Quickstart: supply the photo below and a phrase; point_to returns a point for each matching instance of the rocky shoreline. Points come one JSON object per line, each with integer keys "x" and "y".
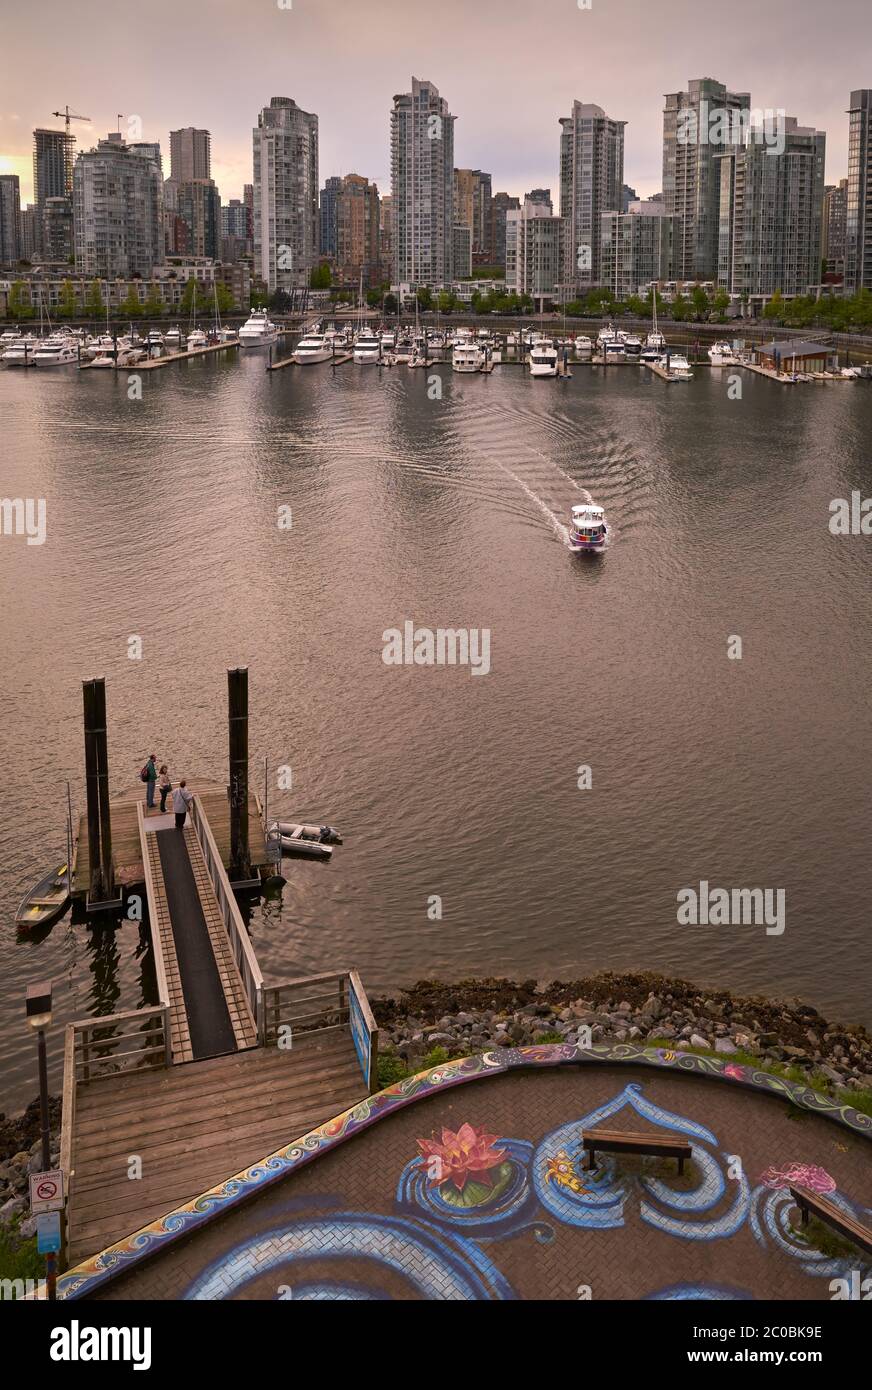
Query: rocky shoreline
{"x": 473, "y": 1015}
{"x": 21, "y": 1155}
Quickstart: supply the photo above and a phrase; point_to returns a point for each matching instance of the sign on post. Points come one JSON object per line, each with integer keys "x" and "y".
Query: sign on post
{"x": 48, "y": 1233}
{"x": 46, "y": 1192}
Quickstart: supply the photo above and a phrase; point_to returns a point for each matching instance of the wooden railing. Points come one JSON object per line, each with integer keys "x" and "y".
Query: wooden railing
{"x": 315, "y": 1003}
{"x": 243, "y": 951}
{"x": 98, "y": 1048}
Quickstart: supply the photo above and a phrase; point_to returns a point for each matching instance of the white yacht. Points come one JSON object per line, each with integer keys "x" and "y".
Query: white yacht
{"x": 173, "y": 338}
{"x": 388, "y": 339}
{"x": 313, "y": 347}
{"x": 543, "y": 359}
{"x": 632, "y": 345}
{"x": 466, "y": 357}
{"x": 587, "y": 528}
{"x": 367, "y": 347}
{"x": 257, "y": 330}
{"x": 677, "y": 365}
{"x": 583, "y": 346}
{"x": 155, "y": 338}
{"x": 8, "y": 337}
{"x": 195, "y": 339}
{"x": 57, "y": 350}
{"x": 20, "y": 352}
{"x": 721, "y": 355}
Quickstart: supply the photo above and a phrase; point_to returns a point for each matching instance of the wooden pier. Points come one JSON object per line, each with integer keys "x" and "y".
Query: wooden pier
{"x": 149, "y": 364}
{"x": 223, "y": 1068}
{"x": 127, "y": 858}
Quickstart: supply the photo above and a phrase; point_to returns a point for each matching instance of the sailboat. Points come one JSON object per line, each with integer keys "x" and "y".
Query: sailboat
{"x": 655, "y": 343}
{"x": 195, "y": 338}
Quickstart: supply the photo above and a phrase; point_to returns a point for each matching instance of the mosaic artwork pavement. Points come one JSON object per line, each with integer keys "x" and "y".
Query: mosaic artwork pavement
{"x": 481, "y": 1194}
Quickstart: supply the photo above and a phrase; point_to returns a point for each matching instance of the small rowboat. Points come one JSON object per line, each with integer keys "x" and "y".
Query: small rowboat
{"x": 316, "y": 841}
{"x": 46, "y": 901}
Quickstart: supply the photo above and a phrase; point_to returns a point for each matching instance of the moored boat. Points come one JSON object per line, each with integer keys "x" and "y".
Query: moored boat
{"x": 314, "y": 841}
{"x": 313, "y": 347}
{"x": 258, "y": 330}
{"x": 46, "y": 900}
{"x": 543, "y": 359}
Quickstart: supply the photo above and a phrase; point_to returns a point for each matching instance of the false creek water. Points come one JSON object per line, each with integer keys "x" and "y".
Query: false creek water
{"x": 161, "y": 523}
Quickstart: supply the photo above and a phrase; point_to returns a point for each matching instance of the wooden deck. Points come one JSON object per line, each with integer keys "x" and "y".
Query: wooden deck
{"x": 194, "y": 1126}
{"x": 126, "y": 848}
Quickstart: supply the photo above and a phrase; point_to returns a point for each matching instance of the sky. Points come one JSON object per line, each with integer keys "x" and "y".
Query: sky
{"x": 509, "y": 70}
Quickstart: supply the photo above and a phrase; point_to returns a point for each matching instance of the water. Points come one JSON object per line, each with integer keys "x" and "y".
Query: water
{"x": 162, "y": 524}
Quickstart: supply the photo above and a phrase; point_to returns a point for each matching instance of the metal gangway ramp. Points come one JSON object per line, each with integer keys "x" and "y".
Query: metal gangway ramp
{"x": 207, "y": 974}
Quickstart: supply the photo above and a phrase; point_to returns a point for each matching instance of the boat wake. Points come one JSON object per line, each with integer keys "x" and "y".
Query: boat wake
{"x": 556, "y": 524}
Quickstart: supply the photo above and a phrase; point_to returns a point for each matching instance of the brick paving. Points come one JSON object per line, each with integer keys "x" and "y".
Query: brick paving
{"x": 336, "y": 1228}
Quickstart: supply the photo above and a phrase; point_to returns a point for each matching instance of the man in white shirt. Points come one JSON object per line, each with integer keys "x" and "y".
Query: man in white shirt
{"x": 182, "y": 799}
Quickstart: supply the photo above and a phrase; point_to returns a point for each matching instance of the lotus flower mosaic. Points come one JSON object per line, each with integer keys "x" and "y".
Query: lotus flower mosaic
{"x": 466, "y": 1166}
{"x": 799, "y": 1175}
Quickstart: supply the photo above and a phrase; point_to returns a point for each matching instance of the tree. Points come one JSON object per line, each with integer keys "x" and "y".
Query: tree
{"x": 425, "y": 298}
{"x": 373, "y": 298}
{"x": 680, "y": 307}
{"x": 720, "y": 305}
{"x": 390, "y": 304}
{"x": 189, "y": 295}
{"x": 19, "y": 307}
{"x": 226, "y": 302}
{"x": 775, "y": 308}
{"x": 94, "y": 305}
{"x": 131, "y": 307}
{"x": 634, "y": 305}
{"x": 700, "y": 301}
{"x": 154, "y": 305}
{"x": 67, "y": 305}
{"x": 280, "y": 302}
{"x": 445, "y": 302}
{"x": 320, "y": 278}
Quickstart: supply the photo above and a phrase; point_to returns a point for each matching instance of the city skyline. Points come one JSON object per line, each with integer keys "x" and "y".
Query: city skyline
{"x": 507, "y": 111}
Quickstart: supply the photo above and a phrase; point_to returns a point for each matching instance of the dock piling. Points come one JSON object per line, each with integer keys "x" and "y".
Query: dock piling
{"x": 237, "y": 715}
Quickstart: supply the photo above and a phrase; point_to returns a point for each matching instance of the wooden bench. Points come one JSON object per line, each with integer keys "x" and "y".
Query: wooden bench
{"x": 831, "y": 1215}
{"x": 618, "y": 1141}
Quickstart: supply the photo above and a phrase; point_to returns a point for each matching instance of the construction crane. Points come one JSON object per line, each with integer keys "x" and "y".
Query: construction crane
{"x": 68, "y": 116}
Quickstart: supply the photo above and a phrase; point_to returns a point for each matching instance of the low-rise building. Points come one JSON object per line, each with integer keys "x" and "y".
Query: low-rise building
{"x": 534, "y": 243}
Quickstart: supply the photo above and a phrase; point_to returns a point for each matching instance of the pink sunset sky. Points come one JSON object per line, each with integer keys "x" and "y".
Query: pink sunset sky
{"x": 508, "y": 68}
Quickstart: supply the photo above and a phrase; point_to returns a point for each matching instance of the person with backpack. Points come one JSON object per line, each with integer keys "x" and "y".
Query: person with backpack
{"x": 149, "y": 776}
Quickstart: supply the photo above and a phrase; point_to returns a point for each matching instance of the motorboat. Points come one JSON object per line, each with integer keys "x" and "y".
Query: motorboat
{"x": 20, "y": 352}
{"x": 258, "y": 330}
{"x": 173, "y": 338}
{"x": 315, "y": 841}
{"x": 367, "y": 347}
{"x": 721, "y": 355}
{"x": 404, "y": 349}
{"x": 105, "y": 343}
{"x": 543, "y": 359}
{"x": 587, "y": 528}
{"x": 583, "y": 346}
{"x": 388, "y": 339}
{"x": 57, "y": 350}
{"x": 46, "y": 900}
{"x": 313, "y": 347}
{"x": 8, "y": 337}
{"x": 155, "y": 338}
{"x": 195, "y": 339}
{"x": 632, "y": 345}
{"x": 677, "y": 366}
{"x": 466, "y": 357}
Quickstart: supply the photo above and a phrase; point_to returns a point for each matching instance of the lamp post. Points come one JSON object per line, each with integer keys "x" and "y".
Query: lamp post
{"x": 38, "y": 1010}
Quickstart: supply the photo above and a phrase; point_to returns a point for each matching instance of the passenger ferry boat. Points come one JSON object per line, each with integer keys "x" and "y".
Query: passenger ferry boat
{"x": 587, "y": 529}
{"x": 313, "y": 347}
{"x": 257, "y": 330}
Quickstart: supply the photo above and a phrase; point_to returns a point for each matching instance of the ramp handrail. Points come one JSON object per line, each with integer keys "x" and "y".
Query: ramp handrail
{"x": 243, "y": 951}
{"x": 160, "y": 970}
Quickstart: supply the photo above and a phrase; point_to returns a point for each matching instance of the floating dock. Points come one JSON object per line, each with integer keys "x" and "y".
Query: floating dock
{"x": 223, "y": 1067}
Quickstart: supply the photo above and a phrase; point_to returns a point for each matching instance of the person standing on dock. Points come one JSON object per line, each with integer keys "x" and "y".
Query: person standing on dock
{"x": 149, "y": 776}
{"x": 165, "y": 785}
{"x": 182, "y": 799}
